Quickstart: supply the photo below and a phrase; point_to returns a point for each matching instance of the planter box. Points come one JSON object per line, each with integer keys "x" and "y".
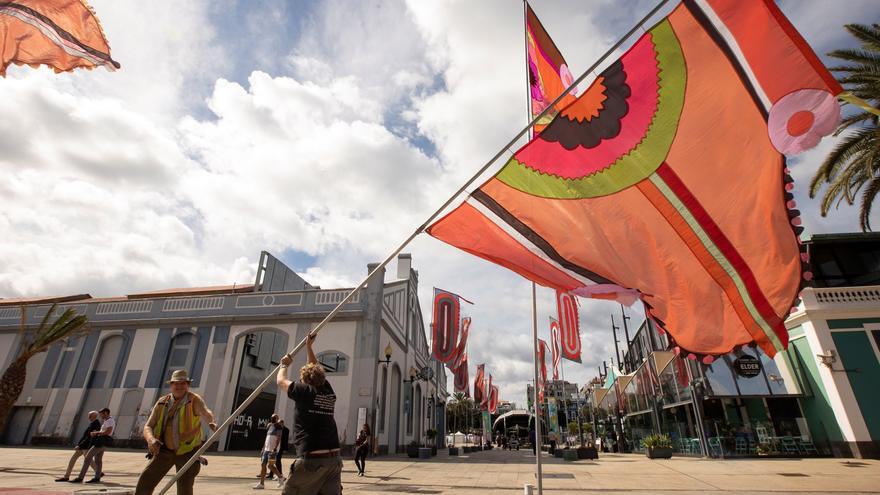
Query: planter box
{"x": 557, "y": 453}
{"x": 453, "y": 450}
{"x": 412, "y": 452}
{"x": 434, "y": 450}
{"x": 587, "y": 453}
{"x": 658, "y": 452}
{"x": 424, "y": 452}
{"x": 569, "y": 455}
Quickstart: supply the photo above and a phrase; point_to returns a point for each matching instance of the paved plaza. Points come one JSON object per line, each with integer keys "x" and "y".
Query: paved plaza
{"x": 31, "y": 471}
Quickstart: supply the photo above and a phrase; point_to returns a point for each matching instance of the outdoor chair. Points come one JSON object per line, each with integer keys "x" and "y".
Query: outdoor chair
{"x": 789, "y": 446}
{"x": 683, "y": 446}
{"x": 742, "y": 446}
{"x": 807, "y": 446}
{"x": 695, "y": 446}
{"x": 753, "y": 447}
{"x": 715, "y": 448}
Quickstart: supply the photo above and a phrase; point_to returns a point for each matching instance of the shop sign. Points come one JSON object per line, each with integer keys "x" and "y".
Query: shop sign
{"x": 747, "y": 366}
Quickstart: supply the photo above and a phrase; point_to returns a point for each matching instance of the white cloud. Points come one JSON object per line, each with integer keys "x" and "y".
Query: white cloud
{"x": 173, "y": 172}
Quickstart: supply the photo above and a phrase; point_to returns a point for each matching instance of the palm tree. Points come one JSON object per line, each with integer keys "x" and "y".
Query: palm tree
{"x": 855, "y": 162}
{"x": 34, "y": 342}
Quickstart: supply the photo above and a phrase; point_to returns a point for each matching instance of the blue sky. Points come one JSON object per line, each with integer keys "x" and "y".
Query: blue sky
{"x": 323, "y": 132}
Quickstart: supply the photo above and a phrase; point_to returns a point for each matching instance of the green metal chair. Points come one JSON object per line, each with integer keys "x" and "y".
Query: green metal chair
{"x": 789, "y": 446}
{"x": 742, "y": 446}
{"x": 715, "y": 448}
{"x": 807, "y": 446}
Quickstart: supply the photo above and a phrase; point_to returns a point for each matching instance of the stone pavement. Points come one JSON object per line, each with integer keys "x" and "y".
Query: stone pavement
{"x": 31, "y": 471}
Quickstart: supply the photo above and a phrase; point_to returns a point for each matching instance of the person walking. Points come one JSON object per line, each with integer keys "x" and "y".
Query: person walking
{"x": 269, "y": 455}
{"x": 173, "y": 433}
{"x": 83, "y": 446}
{"x": 101, "y": 439}
{"x": 282, "y": 448}
{"x": 362, "y": 448}
{"x": 317, "y": 468}
{"x": 532, "y": 439}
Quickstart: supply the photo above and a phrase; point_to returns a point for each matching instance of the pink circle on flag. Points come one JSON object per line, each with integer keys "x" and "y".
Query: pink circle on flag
{"x": 801, "y": 118}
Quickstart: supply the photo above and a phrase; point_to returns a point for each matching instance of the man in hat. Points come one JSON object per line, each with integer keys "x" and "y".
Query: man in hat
{"x": 317, "y": 467}
{"x": 173, "y": 434}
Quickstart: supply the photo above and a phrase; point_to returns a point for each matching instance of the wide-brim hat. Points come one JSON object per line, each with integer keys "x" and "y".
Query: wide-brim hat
{"x": 179, "y": 376}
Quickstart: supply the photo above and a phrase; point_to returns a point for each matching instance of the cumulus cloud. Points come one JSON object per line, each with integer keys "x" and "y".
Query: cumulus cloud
{"x": 332, "y": 131}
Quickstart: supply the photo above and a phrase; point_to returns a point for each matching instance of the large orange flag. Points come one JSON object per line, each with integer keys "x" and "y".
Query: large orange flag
{"x": 62, "y": 34}
{"x": 666, "y": 178}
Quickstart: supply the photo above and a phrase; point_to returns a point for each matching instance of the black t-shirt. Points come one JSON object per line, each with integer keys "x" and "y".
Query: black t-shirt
{"x": 314, "y": 427}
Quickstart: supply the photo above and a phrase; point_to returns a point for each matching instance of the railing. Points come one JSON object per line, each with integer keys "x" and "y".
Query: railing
{"x": 10, "y": 313}
{"x": 193, "y": 304}
{"x": 115, "y": 308}
{"x": 850, "y": 297}
{"x": 335, "y": 296}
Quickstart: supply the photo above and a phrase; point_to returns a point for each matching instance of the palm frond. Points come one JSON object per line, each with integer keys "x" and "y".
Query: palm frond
{"x": 856, "y": 55}
{"x": 868, "y": 35}
{"x": 868, "y": 196}
{"x": 68, "y": 323}
{"x": 839, "y": 157}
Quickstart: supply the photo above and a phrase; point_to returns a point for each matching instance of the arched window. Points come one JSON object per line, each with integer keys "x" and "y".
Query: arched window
{"x": 334, "y": 362}
{"x": 181, "y": 355}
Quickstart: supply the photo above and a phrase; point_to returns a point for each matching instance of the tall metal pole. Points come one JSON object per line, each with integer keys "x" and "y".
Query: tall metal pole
{"x": 614, "y": 329}
{"x": 626, "y": 333}
{"x": 538, "y": 405}
{"x": 293, "y": 352}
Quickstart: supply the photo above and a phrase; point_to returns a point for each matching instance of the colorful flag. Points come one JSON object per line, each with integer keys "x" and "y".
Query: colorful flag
{"x": 62, "y": 34}
{"x": 480, "y": 387}
{"x": 493, "y": 397}
{"x": 569, "y": 324}
{"x": 461, "y": 349}
{"x": 445, "y": 328}
{"x": 548, "y": 72}
{"x": 554, "y": 347}
{"x": 667, "y": 176}
{"x": 461, "y": 377}
{"x": 542, "y": 362}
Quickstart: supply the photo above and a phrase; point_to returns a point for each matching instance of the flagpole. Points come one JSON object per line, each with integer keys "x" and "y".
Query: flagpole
{"x": 381, "y": 266}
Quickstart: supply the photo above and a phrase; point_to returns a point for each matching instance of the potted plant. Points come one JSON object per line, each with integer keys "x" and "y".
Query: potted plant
{"x": 412, "y": 450}
{"x": 762, "y": 449}
{"x": 658, "y": 447}
{"x": 431, "y": 433}
{"x": 453, "y": 450}
{"x": 585, "y": 451}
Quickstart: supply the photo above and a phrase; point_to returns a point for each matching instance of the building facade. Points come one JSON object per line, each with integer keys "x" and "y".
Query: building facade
{"x": 375, "y": 352}
{"x": 816, "y": 398}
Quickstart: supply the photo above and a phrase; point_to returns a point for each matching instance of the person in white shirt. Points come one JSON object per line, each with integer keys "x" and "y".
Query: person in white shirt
{"x": 270, "y": 453}
{"x": 100, "y": 441}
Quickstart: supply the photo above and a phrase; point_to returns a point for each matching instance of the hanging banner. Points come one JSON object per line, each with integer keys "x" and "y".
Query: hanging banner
{"x": 569, "y": 326}
{"x": 493, "y": 397}
{"x": 480, "y": 398}
{"x": 553, "y": 415}
{"x": 487, "y": 427}
{"x": 445, "y": 327}
{"x": 554, "y": 347}
{"x": 461, "y": 349}
{"x": 542, "y": 380}
{"x": 461, "y": 378}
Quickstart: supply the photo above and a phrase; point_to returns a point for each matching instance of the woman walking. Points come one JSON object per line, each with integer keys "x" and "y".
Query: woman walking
{"x": 362, "y": 448}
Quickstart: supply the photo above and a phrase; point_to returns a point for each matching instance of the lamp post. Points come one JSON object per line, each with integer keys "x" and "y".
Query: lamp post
{"x": 387, "y": 359}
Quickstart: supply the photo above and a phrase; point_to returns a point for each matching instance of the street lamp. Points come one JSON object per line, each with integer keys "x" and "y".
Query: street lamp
{"x": 387, "y": 359}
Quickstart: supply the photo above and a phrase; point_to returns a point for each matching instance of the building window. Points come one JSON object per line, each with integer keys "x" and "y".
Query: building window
{"x": 181, "y": 355}
{"x": 334, "y": 362}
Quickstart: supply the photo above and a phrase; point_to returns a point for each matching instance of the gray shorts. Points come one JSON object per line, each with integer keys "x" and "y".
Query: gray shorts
{"x": 321, "y": 476}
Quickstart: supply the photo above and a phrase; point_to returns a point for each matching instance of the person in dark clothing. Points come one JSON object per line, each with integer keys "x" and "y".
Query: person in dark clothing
{"x": 282, "y": 448}
{"x": 83, "y": 446}
{"x": 532, "y": 439}
{"x": 362, "y": 444}
{"x": 317, "y": 468}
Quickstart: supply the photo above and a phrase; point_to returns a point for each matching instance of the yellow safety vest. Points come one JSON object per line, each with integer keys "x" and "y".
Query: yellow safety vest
{"x": 188, "y": 435}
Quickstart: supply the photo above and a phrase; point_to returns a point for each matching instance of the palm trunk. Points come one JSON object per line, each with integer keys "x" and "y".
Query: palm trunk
{"x": 11, "y": 385}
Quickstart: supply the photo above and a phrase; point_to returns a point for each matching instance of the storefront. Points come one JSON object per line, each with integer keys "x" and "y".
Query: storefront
{"x": 743, "y": 404}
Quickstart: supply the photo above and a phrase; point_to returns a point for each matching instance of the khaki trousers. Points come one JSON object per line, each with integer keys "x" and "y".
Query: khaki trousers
{"x": 321, "y": 476}
{"x": 159, "y": 466}
{"x": 77, "y": 453}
